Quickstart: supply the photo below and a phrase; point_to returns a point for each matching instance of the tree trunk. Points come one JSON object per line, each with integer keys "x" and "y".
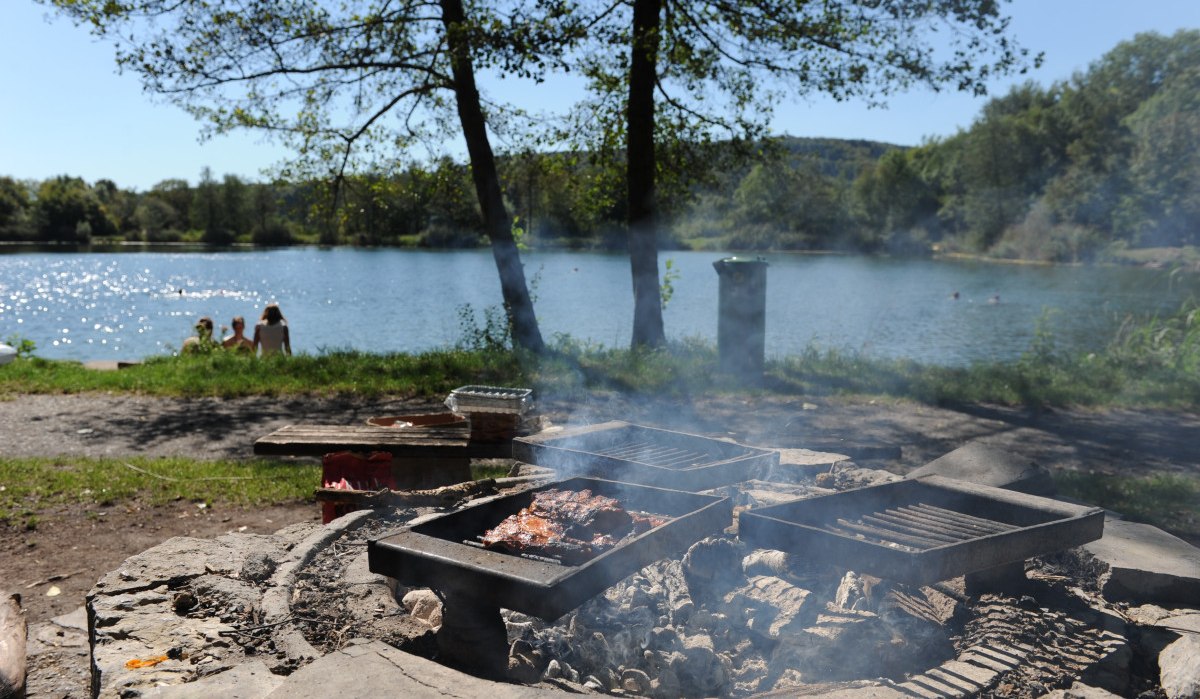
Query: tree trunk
{"x": 487, "y": 184}
{"x": 640, "y": 175}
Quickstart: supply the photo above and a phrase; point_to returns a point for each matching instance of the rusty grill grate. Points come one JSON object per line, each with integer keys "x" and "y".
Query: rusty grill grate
{"x": 645, "y": 455}
{"x": 923, "y": 530}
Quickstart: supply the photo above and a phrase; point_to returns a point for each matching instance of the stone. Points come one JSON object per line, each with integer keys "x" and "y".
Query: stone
{"x": 424, "y": 605}
{"x": 1081, "y": 691}
{"x": 142, "y": 626}
{"x": 978, "y": 462}
{"x": 182, "y": 558}
{"x": 809, "y": 459}
{"x": 1179, "y": 668}
{"x": 375, "y": 669}
{"x": 249, "y": 680}
{"x": 1146, "y": 565}
{"x": 257, "y": 567}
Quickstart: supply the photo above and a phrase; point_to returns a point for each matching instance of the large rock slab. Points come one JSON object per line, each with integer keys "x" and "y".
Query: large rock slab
{"x": 375, "y": 669}
{"x": 249, "y": 680}
{"x": 1179, "y": 668}
{"x": 1147, "y": 565}
{"x": 985, "y": 464}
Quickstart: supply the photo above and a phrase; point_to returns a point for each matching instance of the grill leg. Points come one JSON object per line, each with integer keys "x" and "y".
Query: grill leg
{"x": 472, "y": 637}
{"x": 1009, "y": 577}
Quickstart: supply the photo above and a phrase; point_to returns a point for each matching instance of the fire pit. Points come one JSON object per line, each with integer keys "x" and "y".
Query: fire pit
{"x": 474, "y": 583}
{"x": 645, "y": 455}
{"x": 924, "y": 530}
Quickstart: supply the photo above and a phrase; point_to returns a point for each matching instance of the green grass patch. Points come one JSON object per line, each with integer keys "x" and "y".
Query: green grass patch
{"x": 33, "y": 484}
{"x": 1152, "y": 363}
{"x": 1169, "y": 502}
{"x": 228, "y": 374}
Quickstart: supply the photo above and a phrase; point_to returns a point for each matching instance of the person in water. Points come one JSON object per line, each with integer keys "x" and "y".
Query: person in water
{"x": 271, "y": 332}
{"x": 238, "y": 340}
{"x": 202, "y": 338}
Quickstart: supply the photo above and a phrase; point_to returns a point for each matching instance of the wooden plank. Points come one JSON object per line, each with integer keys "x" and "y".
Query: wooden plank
{"x": 410, "y": 442}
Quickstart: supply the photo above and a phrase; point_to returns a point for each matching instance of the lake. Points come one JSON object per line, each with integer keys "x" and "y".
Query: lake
{"x": 132, "y": 304}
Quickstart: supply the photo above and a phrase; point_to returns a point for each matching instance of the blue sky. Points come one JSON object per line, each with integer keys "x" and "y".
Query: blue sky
{"x": 64, "y": 109}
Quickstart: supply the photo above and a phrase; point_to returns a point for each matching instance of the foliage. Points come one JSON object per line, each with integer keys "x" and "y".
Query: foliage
{"x": 23, "y": 345}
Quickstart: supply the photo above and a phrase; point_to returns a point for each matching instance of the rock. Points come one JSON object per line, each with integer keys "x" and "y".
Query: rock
{"x": 12, "y": 646}
{"x": 981, "y": 463}
{"x": 257, "y": 567}
{"x": 1081, "y": 691}
{"x": 249, "y": 680}
{"x": 1179, "y": 668}
{"x": 1146, "y": 565}
{"x": 375, "y": 669}
{"x": 424, "y": 605}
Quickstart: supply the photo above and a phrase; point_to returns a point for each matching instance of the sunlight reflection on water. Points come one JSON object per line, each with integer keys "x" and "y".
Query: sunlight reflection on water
{"x": 129, "y": 305}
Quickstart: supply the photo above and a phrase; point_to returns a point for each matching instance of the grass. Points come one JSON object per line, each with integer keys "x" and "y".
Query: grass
{"x": 1151, "y": 363}
{"x": 31, "y": 485}
{"x": 1170, "y": 501}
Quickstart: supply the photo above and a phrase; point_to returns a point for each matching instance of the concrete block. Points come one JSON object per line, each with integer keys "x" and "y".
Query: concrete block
{"x": 989, "y": 465}
{"x": 1147, "y": 565}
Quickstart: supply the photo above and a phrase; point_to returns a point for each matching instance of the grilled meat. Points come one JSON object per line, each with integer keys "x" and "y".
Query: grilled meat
{"x": 572, "y": 526}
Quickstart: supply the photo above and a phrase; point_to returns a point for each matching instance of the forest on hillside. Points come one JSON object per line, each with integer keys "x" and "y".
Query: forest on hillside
{"x": 1101, "y": 162}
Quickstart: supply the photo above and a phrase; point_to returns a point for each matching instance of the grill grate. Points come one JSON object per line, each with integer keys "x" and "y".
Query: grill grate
{"x": 922, "y": 530}
{"x": 645, "y": 455}
{"x": 646, "y": 452}
{"x": 917, "y": 527}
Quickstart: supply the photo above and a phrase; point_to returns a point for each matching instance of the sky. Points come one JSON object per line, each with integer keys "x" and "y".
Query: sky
{"x": 65, "y": 109}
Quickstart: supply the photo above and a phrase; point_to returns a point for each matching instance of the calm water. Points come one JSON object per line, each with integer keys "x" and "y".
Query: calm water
{"x": 129, "y": 305}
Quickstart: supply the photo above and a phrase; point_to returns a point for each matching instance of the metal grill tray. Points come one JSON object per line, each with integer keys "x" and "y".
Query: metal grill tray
{"x": 490, "y": 399}
{"x": 646, "y": 455}
{"x": 923, "y": 530}
{"x": 432, "y": 554}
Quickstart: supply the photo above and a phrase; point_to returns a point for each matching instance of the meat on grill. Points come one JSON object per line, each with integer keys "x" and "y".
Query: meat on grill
{"x": 571, "y": 526}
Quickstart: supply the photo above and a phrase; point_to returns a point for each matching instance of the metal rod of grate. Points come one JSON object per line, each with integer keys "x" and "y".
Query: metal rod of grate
{"x": 917, "y": 527}
{"x": 668, "y": 457}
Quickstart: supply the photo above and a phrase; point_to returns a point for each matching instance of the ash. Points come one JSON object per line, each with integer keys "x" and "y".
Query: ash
{"x": 725, "y": 621}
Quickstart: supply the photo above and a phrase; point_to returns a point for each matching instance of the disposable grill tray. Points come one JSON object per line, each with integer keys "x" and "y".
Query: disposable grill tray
{"x": 433, "y": 554}
{"x": 923, "y": 530}
{"x": 646, "y": 455}
{"x": 490, "y": 399}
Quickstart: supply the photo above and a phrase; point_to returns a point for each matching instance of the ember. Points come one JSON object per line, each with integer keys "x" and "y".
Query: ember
{"x": 569, "y": 526}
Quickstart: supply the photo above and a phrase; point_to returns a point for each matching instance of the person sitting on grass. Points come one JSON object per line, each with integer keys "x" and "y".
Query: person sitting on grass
{"x": 238, "y": 341}
{"x": 271, "y": 333}
{"x": 202, "y": 340}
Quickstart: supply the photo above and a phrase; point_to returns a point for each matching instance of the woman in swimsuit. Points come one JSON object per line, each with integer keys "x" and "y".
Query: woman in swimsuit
{"x": 271, "y": 333}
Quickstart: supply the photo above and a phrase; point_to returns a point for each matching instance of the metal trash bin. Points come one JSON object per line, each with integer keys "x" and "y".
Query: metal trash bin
{"x": 742, "y": 315}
